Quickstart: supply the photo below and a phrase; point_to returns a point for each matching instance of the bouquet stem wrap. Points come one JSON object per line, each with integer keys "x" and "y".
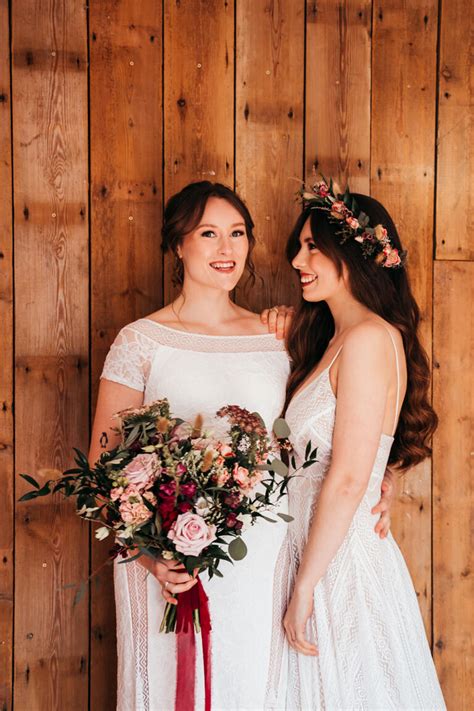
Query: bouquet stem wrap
{"x": 193, "y": 605}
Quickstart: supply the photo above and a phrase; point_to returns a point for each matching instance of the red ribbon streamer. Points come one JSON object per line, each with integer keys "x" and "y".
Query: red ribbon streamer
{"x": 193, "y": 599}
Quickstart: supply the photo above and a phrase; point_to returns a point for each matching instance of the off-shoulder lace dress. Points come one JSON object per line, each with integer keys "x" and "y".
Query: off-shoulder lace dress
{"x": 200, "y": 374}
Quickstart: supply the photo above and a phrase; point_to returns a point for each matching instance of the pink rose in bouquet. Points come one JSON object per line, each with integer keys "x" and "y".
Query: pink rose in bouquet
{"x": 134, "y": 513}
{"x": 190, "y": 534}
{"x": 142, "y": 470}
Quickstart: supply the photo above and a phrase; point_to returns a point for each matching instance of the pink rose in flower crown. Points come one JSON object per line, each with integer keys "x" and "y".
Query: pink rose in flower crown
{"x": 191, "y": 534}
{"x": 142, "y": 470}
{"x": 339, "y": 210}
{"x": 352, "y": 222}
{"x": 321, "y": 189}
{"x": 392, "y": 257}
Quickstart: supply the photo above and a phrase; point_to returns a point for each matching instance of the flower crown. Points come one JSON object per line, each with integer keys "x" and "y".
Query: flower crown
{"x": 354, "y": 224}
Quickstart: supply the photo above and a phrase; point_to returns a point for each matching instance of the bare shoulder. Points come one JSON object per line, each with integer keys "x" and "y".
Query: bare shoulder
{"x": 162, "y": 315}
{"x": 370, "y": 338}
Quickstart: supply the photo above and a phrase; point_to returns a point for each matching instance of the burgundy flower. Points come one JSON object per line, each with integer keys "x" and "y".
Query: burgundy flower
{"x": 232, "y": 500}
{"x": 168, "y": 489}
{"x": 168, "y": 512}
{"x": 184, "y": 506}
{"x": 231, "y": 520}
{"x": 188, "y": 489}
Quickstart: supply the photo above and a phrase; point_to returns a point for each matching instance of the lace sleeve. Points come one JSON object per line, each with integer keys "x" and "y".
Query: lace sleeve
{"x": 129, "y": 359}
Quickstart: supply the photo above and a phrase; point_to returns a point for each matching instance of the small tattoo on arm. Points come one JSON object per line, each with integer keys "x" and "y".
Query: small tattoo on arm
{"x": 104, "y": 440}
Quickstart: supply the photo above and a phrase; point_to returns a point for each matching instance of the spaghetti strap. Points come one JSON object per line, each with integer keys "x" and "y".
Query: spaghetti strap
{"x": 398, "y": 381}
{"x": 334, "y": 359}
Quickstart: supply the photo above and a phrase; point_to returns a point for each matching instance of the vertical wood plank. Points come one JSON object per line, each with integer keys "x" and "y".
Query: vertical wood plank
{"x": 455, "y": 203}
{"x": 338, "y": 79}
{"x": 453, "y": 393}
{"x": 126, "y": 212}
{"x": 269, "y": 136}
{"x": 51, "y": 344}
{"x": 402, "y": 178}
{"x": 199, "y": 98}
{"x": 6, "y": 370}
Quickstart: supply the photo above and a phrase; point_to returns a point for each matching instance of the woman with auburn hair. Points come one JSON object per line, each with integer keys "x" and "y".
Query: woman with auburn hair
{"x": 358, "y": 391}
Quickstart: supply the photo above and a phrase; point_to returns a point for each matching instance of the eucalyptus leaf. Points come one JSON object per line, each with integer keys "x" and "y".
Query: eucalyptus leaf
{"x": 263, "y": 468}
{"x": 286, "y": 517}
{"x": 281, "y": 428}
{"x": 237, "y": 548}
{"x": 279, "y": 467}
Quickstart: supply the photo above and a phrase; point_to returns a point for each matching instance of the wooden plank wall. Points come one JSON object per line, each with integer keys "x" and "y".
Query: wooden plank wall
{"x": 115, "y": 106}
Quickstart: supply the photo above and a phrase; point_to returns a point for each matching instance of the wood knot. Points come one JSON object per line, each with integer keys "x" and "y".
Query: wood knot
{"x": 446, "y": 72}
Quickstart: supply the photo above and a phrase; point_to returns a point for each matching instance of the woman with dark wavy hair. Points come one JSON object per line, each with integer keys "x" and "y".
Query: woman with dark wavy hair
{"x": 358, "y": 391}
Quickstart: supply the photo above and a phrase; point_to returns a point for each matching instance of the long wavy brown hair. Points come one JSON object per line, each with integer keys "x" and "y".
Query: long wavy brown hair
{"x": 386, "y": 292}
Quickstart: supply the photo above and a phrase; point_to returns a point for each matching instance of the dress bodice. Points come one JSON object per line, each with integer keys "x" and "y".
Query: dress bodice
{"x": 311, "y": 416}
{"x": 200, "y": 373}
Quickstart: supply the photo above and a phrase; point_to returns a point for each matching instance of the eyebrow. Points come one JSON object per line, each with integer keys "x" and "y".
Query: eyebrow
{"x": 216, "y": 227}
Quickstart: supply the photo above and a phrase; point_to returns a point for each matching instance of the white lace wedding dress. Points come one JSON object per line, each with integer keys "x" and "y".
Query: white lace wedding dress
{"x": 373, "y": 652}
{"x": 200, "y": 374}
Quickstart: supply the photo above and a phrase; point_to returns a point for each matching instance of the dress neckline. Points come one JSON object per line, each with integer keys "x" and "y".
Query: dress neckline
{"x": 207, "y": 335}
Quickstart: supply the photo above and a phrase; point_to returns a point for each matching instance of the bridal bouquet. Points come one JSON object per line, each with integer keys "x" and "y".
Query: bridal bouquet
{"x": 170, "y": 491}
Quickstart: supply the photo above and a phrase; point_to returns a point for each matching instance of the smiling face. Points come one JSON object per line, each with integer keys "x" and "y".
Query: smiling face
{"x": 319, "y": 276}
{"x": 215, "y": 252}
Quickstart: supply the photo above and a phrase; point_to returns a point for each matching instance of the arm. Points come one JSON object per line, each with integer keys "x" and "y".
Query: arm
{"x": 112, "y": 398}
{"x": 363, "y": 383}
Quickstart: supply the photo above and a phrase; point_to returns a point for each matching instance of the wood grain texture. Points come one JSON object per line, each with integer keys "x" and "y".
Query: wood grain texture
{"x": 455, "y": 206}
{"x": 49, "y": 90}
{"x": 6, "y": 370}
{"x": 338, "y": 78}
{"x": 198, "y": 98}
{"x": 269, "y": 137}
{"x": 402, "y": 178}
{"x": 453, "y": 500}
{"x": 126, "y": 212}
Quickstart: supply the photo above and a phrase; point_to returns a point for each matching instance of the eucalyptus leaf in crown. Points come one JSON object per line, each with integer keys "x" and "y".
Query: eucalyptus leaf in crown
{"x": 353, "y": 223}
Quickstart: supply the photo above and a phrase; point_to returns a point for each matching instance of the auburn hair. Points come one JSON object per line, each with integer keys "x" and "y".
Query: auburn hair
{"x": 387, "y": 293}
{"x": 184, "y": 211}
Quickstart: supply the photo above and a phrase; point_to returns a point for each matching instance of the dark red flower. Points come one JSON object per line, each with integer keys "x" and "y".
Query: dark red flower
{"x": 184, "y": 506}
{"x": 231, "y": 520}
{"x": 188, "y": 489}
{"x": 167, "y": 489}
